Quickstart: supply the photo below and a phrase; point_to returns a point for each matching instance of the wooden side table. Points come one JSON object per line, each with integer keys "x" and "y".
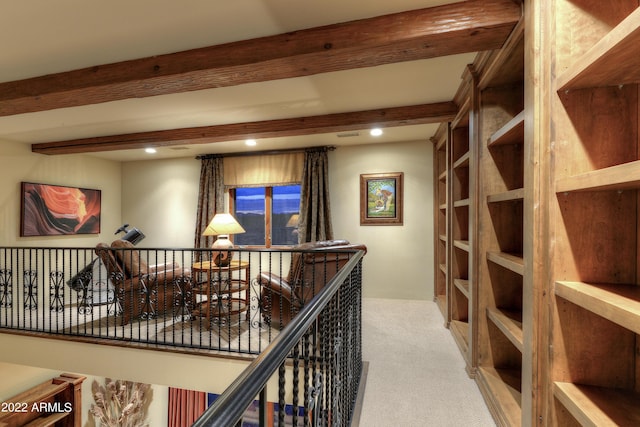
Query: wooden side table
{"x": 219, "y": 286}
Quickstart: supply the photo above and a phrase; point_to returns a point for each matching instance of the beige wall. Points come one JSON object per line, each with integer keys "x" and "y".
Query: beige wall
{"x": 22, "y": 366}
{"x": 18, "y": 163}
{"x": 18, "y": 378}
{"x": 160, "y": 198}
{"x": 399, "y": 261}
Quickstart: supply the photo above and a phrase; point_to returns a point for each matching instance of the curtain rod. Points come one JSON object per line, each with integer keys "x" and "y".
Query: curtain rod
{"x": 266, "y": 152}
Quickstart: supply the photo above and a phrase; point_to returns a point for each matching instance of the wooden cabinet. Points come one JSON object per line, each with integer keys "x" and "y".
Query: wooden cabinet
{"x": 595, "y": 310}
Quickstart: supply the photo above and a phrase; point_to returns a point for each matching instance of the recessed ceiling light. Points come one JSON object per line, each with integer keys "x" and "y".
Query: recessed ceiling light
{"x": 251, "y": 142}
{"x": 376, "y": 132}
{"x": 150, "y": 150}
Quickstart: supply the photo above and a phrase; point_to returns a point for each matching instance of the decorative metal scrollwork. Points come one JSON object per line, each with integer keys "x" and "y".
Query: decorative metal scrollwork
{"x": 314, "y": 404}
{"x": 255, "y": 305}
{"x": 56, "y": 291}
{"x": 182, "y": 299}
{"x": 30, "y": 290}
{"x": 337, "y": 381}
{"x": 6, "y": 286}
{"x": 351, "y": 320}
{"x": 114, "y": 308}
{"x": 85, "y": 301}
{"x": 83, "y": 278}
{"x": 148, "y": 299}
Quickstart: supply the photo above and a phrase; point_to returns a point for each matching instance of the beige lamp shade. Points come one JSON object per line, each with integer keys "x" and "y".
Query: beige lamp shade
{"x": 223, "y": 223}
{"x": 293, "y": 221}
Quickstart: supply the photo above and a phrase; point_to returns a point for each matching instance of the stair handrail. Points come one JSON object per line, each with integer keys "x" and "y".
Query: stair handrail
{"x": 228, "y": 408}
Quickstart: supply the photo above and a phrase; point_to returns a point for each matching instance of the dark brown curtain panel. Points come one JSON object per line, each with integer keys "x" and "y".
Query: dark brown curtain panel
{"x": 210, "y": 199}
{"x": 315, "y": 212}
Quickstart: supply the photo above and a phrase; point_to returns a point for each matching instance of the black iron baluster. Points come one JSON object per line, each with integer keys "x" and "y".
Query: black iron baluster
{"x": 281, "y": 402}
{"x": 296, "y": 381}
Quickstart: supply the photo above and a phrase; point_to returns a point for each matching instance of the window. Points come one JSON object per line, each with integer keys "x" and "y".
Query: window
{"x": 268, "y": 214}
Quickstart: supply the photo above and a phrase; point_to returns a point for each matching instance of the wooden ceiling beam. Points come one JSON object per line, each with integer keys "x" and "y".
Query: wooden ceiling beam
{"x": 340, "y": 122}
{"x": 468, "y": 26}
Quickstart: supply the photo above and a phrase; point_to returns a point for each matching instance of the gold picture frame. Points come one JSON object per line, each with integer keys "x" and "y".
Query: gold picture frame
{"x": 381, "y": 198}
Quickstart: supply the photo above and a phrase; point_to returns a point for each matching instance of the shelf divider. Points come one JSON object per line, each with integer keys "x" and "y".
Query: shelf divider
{"x": 510, "y": 323}
{"x": 506, "y": 196}
{"x": 463, "y": 161}
{"x": 463, "y": 286}
{"x": 618, "y": 303}
{"x": 620, "y": 177}
{"x": 613, "y": 61}
{"x": 597, "y": 406}
{"x": 511, "y": 133}
{"x": 504, "y": 386}
{"x": 511, "y": 262}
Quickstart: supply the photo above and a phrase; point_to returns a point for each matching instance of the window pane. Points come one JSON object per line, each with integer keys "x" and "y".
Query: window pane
{"x": 286, "y": 204}
{"x": 250, "y": 213}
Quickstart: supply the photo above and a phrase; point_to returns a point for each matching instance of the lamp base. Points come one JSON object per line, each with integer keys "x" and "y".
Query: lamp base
{"x": 220, "y": 256}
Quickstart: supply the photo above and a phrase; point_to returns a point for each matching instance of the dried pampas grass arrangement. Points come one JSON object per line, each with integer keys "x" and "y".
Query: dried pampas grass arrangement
{"x": 120, "y": 403}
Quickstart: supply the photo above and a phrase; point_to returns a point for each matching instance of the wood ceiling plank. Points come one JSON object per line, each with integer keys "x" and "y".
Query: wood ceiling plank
{"x": 387, "y": 117}
{"x": 463, "y": 27}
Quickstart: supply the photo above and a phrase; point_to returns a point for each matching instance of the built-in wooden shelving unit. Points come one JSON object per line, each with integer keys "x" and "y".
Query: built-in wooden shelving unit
{"x": 547, "y": 228}
{"x": 441, "y": 173}
{"x": 501, "y": 296}
{"x": 462, "y": 195}
{"x": 595, "y": 375}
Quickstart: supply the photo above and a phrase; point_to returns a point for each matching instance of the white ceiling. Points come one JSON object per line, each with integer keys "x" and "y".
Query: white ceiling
{"x": 39, "y": 37}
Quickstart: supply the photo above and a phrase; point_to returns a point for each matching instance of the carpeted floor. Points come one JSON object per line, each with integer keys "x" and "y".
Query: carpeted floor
{"x": 416, "y": 375}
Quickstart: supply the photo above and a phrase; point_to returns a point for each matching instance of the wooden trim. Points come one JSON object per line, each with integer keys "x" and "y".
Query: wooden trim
{"x": 511, "y": 133}
{"x": 508, "y": 261}
{"x": 618, "y": 303}
{"x": 468, "y": 26}
{"x": 329, "y": 123}
{"x": 612, "y": 61}
{"x": 597, "y": 406}
{"x": 510, "y": 323}
{"x": 621, "y": 177}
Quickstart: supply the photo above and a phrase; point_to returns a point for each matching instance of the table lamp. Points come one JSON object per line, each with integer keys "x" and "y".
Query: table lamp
{"x": 293, "y": 221}
{"x": 222, "y": 225}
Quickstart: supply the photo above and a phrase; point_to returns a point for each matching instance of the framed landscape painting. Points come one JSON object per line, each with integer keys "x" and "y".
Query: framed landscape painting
{"x": 381, "y": 198}
{"x": 52, "y": 210}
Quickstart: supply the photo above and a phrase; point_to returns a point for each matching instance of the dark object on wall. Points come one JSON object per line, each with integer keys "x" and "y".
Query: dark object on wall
{"x": 51, "y": 210}
{"x": 134, "y": 235}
